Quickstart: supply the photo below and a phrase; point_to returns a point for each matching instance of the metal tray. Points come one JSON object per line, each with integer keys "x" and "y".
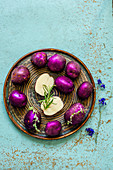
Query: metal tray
{"x": 17, "y": 114}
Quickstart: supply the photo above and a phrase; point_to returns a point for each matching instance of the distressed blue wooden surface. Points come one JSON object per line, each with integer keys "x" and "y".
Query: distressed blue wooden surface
{"x": 82, "y": 28}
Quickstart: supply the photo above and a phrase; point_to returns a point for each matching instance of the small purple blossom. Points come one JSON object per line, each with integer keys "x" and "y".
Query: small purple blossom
{"x": 102, "y": 102}
{"x": 103, "y": 86}
{"x": 90, "y": 131}
{"x": 99, "y": 81}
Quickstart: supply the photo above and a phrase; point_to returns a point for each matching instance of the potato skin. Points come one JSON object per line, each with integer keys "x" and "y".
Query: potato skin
{"x": 73, "y": 69}
{"x": 64, "y": 84}
{"x": 39, "y": 59}
{"x": 53, "y": 128}
{"x": 79, "y": 113}
{"x": 20, "y": 75}
{"x": 56, "y": 63}
{"x": 30, "y": 118}
{"x": 85, "y": 90}
{"x": 18, "y": 98}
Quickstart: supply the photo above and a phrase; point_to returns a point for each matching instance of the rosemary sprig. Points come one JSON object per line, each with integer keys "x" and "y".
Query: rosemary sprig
{"x": 48, "y": 97}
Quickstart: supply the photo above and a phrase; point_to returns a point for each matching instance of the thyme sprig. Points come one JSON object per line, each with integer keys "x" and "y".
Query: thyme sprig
{"x": 48, "y": 97}
{"x": 75, "y": 113}
{"x": 36, "y": 119}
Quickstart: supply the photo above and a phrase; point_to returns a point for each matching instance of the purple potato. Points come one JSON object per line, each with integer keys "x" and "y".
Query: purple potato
{"x": 39, "y": 59}
{"x": 53, "y": 128}
{"x": 64, "y": 84}
{"x": 75, "y": 114}
{"x": 20, "y": 75}
{"x": 85, "y": 90}
{"x": 32, "y": 120}
{"x": 17, "y": 98}
{"x": 56, "y": 63}
{"x": 73, "y": 69}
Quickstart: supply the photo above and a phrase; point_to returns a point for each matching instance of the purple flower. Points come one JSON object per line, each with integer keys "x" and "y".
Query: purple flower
{"x": 90, "y": 131}
{"x": 103, "y": 86}
{"x": 99, "y": 81}
{"x": 102, "y": 102}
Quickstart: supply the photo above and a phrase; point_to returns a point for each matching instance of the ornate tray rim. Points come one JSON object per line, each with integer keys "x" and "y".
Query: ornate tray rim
{"x": 5, "y": 100}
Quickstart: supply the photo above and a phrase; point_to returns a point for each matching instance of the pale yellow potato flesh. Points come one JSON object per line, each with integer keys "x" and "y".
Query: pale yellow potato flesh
{"x": 44, "y": 79}
{"x": 55, "y": 107}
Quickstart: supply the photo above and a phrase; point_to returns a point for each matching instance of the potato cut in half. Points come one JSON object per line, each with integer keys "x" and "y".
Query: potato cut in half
{"x": 55, "y": 107}
{"x": 44, "y": 79}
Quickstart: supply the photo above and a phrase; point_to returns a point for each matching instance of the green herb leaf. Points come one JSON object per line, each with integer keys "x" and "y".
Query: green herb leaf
{"x": 31, "y": 108}
{"x": 40, "y": 101}
{"x": 36, "y": 127}
{"x": 49, "y": 103}
{"x": 68, "y": 122}
{"x": 48, "y": 97}
{"x": 45, "y": 87}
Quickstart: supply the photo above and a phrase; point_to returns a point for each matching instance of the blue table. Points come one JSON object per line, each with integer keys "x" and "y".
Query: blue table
{"x": 82, "y": 28}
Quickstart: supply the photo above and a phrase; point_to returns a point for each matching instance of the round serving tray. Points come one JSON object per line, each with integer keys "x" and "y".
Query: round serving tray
{"x": 17, "y": 114}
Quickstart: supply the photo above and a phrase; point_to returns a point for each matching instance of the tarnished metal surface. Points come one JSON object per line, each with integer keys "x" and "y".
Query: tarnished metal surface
{"x": 17, "y": 114}
{"x": 82, "y": 28}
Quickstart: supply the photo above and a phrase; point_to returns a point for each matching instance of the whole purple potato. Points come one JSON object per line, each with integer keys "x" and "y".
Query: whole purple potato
{"x": 56, "y": 63}
{"x": 20, "y": 75}
{"x": 39, "y": 59}
{"x": 73, "y": 69}
{"x": 53, "y": 128}
{"x": 17, "y": 98}
{"x": 75, "y": 114}
{"x": 32, "y": 120}
{"x": 85, "y": 90}
{"x": 64, "y": 84}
